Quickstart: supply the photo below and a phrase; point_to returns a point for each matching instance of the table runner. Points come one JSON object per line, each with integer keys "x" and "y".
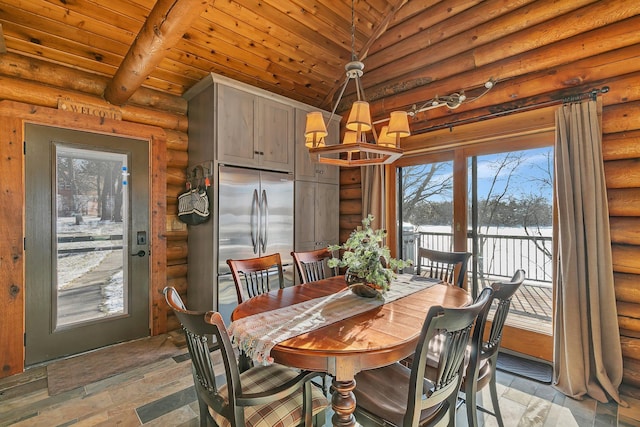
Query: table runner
{"x": 257, "y": 334}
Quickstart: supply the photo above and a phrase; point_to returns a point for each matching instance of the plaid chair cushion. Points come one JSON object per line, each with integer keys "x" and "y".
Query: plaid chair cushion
{"x": 281, "y": 413}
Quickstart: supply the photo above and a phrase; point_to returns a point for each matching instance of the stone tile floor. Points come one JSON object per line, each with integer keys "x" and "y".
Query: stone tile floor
{"x": 162, "y": 394}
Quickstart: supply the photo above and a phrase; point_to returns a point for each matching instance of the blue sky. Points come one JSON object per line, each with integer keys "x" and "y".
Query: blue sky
{"x": 533, "y": 169}
{"x": 524, "y": 173}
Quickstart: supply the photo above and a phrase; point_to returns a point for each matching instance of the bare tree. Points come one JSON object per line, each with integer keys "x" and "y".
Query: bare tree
{"x": 111, "y": 195}
{"x": 507, "y": 200}
{"x": 421, "y": 183}
{"x": 504, "y": 169}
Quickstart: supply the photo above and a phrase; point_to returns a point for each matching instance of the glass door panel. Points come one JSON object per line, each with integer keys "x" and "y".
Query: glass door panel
{"x": 511, "y": 219}
{"x": 91, "y": 220}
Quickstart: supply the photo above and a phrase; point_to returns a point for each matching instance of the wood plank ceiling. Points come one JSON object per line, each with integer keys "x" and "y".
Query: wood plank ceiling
{"x": 413, "y": 50}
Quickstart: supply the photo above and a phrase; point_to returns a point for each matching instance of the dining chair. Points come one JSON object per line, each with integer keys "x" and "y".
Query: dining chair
{"x": 481, "y": 369}
{"x": 424, "y": 394}
{"x": 450, "y": 267}
{"x": 312, "y": 265}
{"x": 254, "y": 276}
{"x": 261, "y": 396}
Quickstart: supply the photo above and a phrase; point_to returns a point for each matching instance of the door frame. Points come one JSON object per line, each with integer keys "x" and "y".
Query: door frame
{"x": 13, "y": 117}
{"x": 46, "y": 339}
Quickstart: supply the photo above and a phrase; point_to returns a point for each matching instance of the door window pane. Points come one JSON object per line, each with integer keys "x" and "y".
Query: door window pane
{"x": 426, "y": 207}
{"x": 91, "y": 229}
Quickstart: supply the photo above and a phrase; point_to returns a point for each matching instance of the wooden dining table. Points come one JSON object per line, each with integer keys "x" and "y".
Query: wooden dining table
{"x": 378, "y": 337}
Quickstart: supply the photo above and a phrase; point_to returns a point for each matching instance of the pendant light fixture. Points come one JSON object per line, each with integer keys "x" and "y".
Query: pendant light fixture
{"x": 356, "y": 149}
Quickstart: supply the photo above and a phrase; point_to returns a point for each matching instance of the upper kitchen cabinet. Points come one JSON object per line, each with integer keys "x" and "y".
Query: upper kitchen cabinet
{"x": 307, "y": 170}
{"x": 254, "y": 130}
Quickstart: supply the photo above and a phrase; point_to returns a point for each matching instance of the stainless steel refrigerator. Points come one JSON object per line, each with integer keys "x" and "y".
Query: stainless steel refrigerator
{"x": 255, "y": 218}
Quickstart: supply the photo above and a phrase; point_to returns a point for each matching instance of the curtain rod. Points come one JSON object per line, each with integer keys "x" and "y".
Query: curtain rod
{"x": 593, "y": 93}
{"x": 580, "y": 96}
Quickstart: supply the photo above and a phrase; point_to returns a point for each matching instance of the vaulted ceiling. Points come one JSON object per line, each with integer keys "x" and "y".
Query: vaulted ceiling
{"x": 413, "y": 50}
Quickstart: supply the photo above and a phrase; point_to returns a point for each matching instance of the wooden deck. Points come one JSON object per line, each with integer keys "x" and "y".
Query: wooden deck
{"x": 532, "y": 308}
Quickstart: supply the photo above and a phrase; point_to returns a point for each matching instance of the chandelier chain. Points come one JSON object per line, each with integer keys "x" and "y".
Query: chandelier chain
{"x": 353, "y": 32}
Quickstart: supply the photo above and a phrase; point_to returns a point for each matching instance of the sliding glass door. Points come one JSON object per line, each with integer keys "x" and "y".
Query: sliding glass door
{"x": 503, "y": 192}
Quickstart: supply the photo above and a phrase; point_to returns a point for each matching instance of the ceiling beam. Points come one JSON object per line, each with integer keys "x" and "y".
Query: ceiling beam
{"x": 168, "y": 21}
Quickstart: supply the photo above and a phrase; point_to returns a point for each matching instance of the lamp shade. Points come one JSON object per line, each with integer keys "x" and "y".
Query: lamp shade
{"x": 359, "y": 117}
{"x": 385, "y": 139}
{"x": 308, "y": 142}
{"x": 399, "y": 124}
{"x": 315, "y": 127}
{"x": 349, "y": 137}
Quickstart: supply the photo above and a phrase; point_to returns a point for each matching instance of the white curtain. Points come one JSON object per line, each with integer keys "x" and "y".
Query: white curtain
{"x": 587, "y": 352}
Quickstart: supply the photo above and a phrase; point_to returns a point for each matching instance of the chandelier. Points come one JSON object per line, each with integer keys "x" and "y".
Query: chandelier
{"x": 355, "y": 150}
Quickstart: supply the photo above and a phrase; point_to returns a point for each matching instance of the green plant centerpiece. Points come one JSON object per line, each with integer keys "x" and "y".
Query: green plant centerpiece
{"x": 370, "y": 267}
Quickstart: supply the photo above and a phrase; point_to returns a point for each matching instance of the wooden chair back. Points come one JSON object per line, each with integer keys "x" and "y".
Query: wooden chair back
{"x": 450, "y": 267}
{"x": 452, "y": 329}
{"x": 312, "y": 265}
{"x": 197, "y": 332}
{"x": 228, "y": 397}
{"x": 434, "y": 377}
{"x": 503, "y": 293}
{"x": 483, "y": 359}
{"x": 255, "y": 276}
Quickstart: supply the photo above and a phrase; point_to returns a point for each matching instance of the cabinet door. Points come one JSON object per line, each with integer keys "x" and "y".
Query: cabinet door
{"x": 305, "y": 206}
{"x": 236, "y": 126}
{"x": 275, "y": 135}
{"x": 316, "y": 215}
{"x": 327, "y": 212}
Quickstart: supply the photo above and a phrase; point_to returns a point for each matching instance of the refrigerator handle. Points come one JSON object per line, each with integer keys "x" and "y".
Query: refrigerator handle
{"x": 265, "y": 221}
{"x": 254, "y": 221}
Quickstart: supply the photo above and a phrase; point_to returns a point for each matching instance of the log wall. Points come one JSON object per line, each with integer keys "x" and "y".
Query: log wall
{"x": 161, "y": 118}
{"x": 621, "y": 154}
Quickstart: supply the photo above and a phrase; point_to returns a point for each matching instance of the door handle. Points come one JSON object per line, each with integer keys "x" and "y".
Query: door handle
{"x": 140, "y": 253}
{"x": 255, "y": 216}
{"x": 265, "y": 221}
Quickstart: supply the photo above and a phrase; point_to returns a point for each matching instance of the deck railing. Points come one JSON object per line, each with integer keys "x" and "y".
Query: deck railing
{"x": 499, "y": 255}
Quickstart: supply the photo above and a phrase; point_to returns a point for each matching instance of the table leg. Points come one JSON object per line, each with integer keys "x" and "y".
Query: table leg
{"x": 343, "y": 403}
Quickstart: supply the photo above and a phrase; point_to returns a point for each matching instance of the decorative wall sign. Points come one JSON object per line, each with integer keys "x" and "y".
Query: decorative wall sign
{"x": 92, "y": 110}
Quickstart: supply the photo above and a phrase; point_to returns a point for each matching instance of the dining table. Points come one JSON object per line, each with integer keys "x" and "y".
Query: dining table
{"x": 322, "y": 326}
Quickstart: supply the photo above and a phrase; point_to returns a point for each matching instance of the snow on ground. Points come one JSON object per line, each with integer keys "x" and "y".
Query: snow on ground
{"x": 507, "y": 231}
{"x": 73, "y": 267}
